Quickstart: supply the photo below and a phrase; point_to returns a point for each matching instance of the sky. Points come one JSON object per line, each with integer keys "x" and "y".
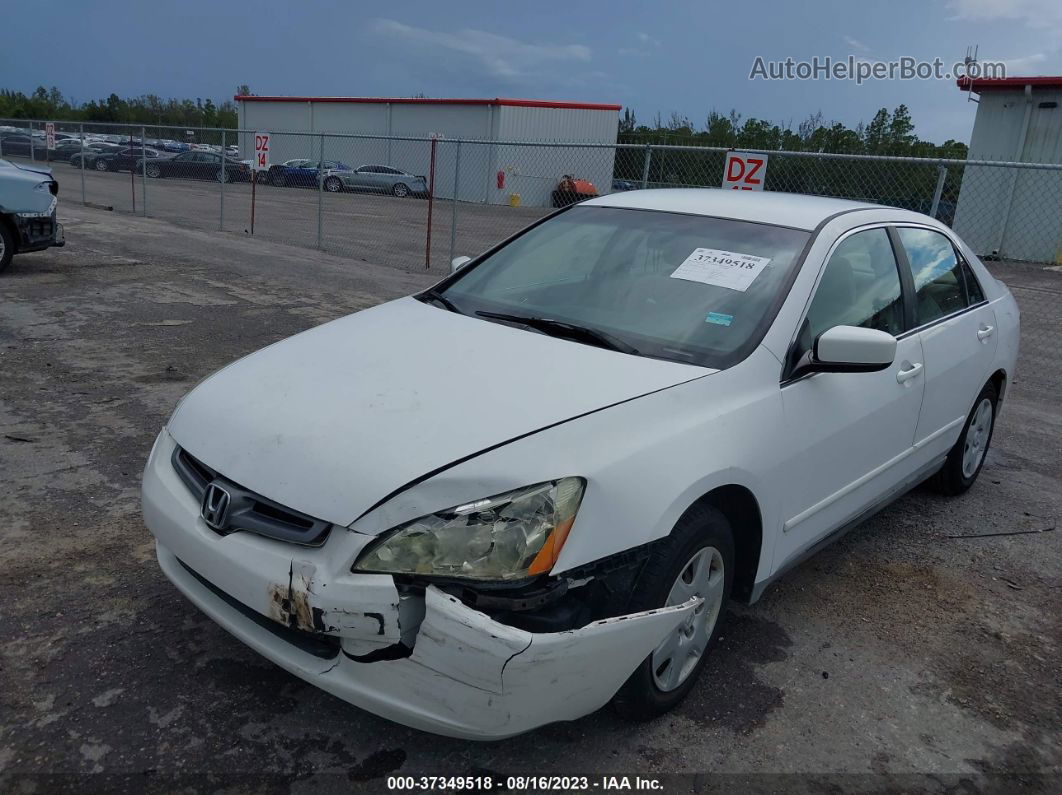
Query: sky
{"x": 669, "y": 55}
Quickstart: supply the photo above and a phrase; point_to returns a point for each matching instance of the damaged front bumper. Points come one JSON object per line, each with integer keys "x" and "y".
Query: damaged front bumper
{"x": 38, "y": 231}
{"x": 422, "y": 659}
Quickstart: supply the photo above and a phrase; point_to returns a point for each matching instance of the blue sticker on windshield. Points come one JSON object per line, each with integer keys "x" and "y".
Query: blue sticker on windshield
{"x": 719, "y": 319}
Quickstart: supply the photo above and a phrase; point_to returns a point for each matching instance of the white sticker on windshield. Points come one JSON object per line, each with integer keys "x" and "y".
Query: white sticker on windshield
{"x": 721, "y": 268}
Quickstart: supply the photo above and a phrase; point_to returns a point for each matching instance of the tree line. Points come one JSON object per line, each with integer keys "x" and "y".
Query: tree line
{"x": 887, "y": 133}
{"x": 45, "y": 103}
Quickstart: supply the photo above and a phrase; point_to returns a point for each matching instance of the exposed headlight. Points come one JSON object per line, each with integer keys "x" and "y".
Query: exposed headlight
{"x": 506, "y": 537}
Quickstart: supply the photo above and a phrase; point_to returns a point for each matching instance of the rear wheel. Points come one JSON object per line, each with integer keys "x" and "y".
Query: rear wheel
{"x": 278, "y": 179}
{"x": 223, "y": 175}
{"x": 101, "y": 165}
{"x": 400, "y": 189}
{"x": 697, "y": 560}
{"x": 333, "y": 184}
{"x": 153, "y": 170}
{"x": 964, "y": 462}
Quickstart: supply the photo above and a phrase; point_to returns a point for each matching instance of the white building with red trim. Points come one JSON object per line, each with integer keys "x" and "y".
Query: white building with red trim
{"x": 495, "y": 159}
{"x": 1014, "y": 212}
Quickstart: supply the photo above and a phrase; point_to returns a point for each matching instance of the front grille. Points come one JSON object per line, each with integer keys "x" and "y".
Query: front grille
{"x": 324, "y": 646}
{"x": 247, "y": 510}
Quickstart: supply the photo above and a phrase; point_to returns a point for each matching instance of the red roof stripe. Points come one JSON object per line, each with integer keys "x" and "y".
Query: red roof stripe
{"x": 999, "y": 83}
{"x": 516, "y": 103}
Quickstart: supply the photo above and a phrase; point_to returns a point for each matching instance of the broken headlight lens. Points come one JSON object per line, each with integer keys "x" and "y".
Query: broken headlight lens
{"x": 510, "y": 536}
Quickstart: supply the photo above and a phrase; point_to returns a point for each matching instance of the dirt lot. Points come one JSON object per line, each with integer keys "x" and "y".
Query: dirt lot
{"x": 904, "y": 656}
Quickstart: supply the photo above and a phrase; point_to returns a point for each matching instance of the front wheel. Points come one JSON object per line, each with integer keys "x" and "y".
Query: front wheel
{"x": 697, "y": 560}
{"x": 223, "y": 176}
{"x": 333, "y": 184}
{"x": 7, "y": 246}
{"x": 153, "y": 170}
{"x": 278, "y": 179}
{"x": 400, "y": 189}
{"x": 964, "y": 462}
{"x": 101, "y": 165}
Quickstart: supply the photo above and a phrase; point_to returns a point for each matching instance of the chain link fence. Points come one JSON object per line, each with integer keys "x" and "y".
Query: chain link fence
{"x": 418, "y": 202}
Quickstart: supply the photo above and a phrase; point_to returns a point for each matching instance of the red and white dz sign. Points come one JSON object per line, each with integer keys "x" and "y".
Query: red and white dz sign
{"x": 261, "y": 151}
{"x": 49, "y": 134}
{"x": 744, "y": 171}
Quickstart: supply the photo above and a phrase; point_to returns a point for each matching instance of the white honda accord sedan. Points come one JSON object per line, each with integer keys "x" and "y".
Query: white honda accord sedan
{"x": 533, "y": 488}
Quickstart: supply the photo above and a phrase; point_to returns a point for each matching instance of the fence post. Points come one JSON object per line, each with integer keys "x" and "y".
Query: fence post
{"x": 431, "y": 199}
{"x": 320, "y": 194}
{"x": 453, "y": 214}
{"x": 33, "y": 156}
{"x": 143, "y": 170}
{"x": 645, "y": 167}
{"x": 942, "y": 174}
{"x": 81, "y": 132}
{"x": 221, "y": 207}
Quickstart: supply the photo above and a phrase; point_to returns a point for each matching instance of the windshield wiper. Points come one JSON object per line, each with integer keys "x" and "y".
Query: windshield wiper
{"x": 560, "y": 328}
{"x": 439, "y": 298}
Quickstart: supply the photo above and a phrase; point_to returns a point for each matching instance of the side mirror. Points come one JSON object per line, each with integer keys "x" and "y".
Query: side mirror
{"x": 458, "y": 263}
{"x": 848, "y": 349}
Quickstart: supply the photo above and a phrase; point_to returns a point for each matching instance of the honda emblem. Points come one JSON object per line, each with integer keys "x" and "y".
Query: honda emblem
{"x": 215, "y": 507}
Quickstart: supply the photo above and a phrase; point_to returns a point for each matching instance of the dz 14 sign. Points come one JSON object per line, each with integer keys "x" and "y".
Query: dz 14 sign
{"x": 744, "y": 171}
{"x": 261, "y": 151}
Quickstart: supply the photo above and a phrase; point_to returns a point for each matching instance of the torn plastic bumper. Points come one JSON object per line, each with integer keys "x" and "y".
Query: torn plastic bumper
{"x": 467, "y": 676}
{"x": 423, "y": 659}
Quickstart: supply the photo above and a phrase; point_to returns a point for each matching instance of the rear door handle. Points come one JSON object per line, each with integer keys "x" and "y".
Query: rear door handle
{"x": 907, "y": 373}
{"x": 985, "y": 332}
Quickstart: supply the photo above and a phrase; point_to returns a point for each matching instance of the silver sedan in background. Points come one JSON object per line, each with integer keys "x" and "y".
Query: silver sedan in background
{"x": 383, "y": 179}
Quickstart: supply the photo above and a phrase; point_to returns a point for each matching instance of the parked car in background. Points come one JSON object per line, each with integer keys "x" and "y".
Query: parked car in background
{"x": 93, "y": 149}
{"x": 198, "y": 164}
{"x": 383, "y": 179}
{"x": 27, "y": 211}
{"x": 622, "y": 185}
{"x": 20, "y": 145}
{"x": 126, "y": 159}
{"x": 301, "y": 172}
{"x": 170, "y": 145}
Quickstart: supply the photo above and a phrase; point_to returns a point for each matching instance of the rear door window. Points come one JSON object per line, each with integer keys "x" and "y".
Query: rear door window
{"x": 940, "y": 289}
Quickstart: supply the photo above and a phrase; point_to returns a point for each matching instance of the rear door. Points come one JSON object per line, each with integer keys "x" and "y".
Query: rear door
{"x": 957, "y": 328}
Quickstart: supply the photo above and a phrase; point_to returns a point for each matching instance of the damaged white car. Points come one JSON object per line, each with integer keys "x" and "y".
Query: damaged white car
{"x": 532, "y": 489}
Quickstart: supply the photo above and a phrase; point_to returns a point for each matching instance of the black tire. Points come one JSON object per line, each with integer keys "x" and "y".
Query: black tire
{"x": 277, "y": 178}
{"x": 7, "y": 245}
{"x": 701, "y": 526}
{"x": 101, "y": 165}
{"x": 153, "y": 170}
{"x": 952, "y": 479}
{"x": 333, "y": 185}
{"x": 400, "y": 189}
{"x": 223, "y": 175}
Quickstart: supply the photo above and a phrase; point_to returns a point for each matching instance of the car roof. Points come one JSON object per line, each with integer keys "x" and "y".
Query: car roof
{"x": 784, "y": 209}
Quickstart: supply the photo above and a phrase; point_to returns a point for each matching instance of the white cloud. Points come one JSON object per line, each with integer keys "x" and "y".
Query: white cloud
{"x": 1024, "y": 64}
{"x": 856, "y": 44}
{"x": 646, "y": 44}
{"x": 1040, "y": 14}
{"x": 502, "y": 56}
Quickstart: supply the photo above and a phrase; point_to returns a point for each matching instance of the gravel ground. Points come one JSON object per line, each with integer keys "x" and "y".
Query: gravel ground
{"x": 914, "y": 653}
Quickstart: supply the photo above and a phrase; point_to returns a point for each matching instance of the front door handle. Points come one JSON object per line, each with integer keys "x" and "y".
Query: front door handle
{"x": 908, "y": 372}
{"x": 985, "y": 331}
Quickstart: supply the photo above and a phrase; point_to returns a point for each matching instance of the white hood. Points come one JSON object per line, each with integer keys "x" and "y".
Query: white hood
{"x": 331, "y": 421}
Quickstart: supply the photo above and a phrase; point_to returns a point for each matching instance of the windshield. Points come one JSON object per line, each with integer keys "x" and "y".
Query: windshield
{"x": 682, "y": 287}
